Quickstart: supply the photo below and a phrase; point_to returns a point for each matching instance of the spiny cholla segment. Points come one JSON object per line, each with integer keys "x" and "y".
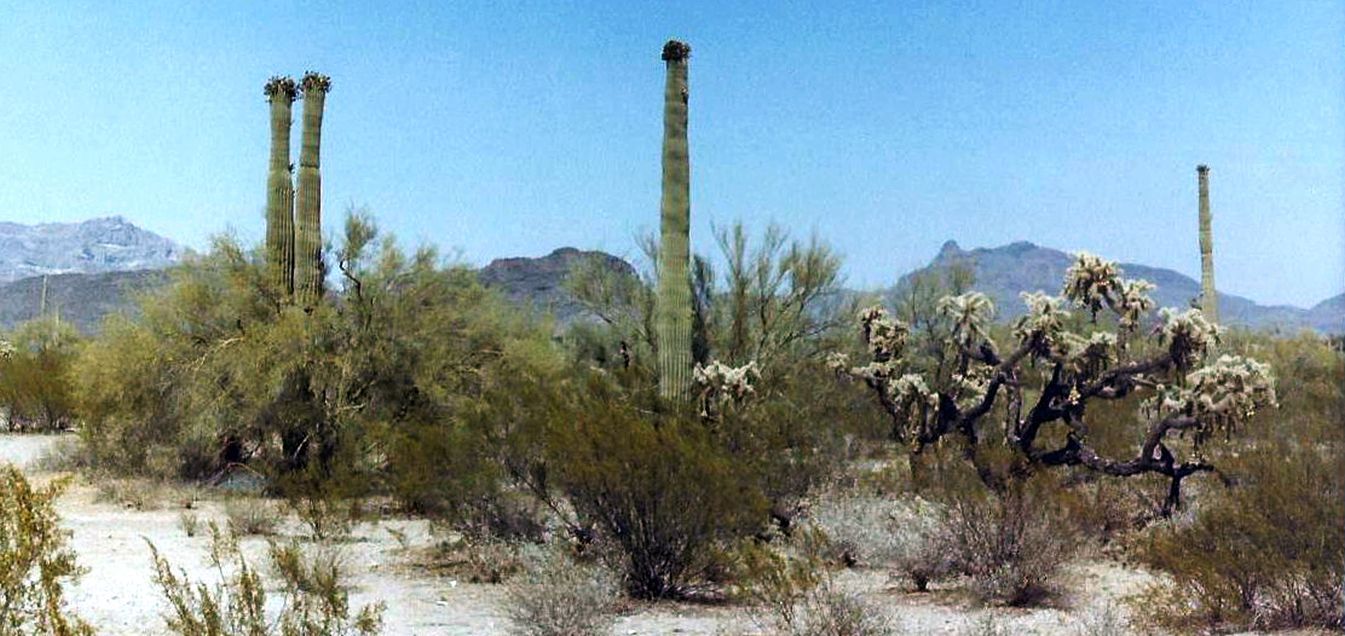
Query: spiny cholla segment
{"x": 971, "y": 313}
{"x": 1218, "y": 395}
{"x": 1093, "y": 283}
{"x": 1045, "y": 319}
{"x": 885, "y": 336}
{"x": 6, "y": 350}
{"x": 1187, "y": 334}
{"x": 721, "y": 384}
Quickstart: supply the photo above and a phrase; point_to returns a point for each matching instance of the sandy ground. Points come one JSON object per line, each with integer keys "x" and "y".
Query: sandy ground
{"x": 118, "y": 596}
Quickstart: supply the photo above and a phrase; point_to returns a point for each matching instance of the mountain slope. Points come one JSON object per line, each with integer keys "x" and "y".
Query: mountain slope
{"x": 1004, "y": 272}
{"x": 80, "y": 299}
{"x": 110, "y": 244}
{"x": 538, "y": 283}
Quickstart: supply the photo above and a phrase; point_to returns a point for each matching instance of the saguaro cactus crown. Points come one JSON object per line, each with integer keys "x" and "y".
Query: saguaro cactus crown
{"x": 673, "y": 308}
{"x": 308, "y": 268}
{"x": 280, "y": 92}
{"x": 1209, "y": 301}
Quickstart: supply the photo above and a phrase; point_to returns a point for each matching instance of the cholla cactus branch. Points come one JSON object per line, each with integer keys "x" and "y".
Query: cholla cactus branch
{"x": 721, "y": 384}
{"x": 1183, "y": 392}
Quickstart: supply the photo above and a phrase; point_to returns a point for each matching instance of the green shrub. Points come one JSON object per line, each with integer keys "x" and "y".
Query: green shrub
{"x": 35, "y": 380}
{"x": 35, "y": 562}
{"x": 660, "y": 489}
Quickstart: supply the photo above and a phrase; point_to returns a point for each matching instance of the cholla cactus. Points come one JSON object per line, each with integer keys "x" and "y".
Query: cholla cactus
{"x": 6, "y": 350}
{"x": 721, "y": 384}
{"x": 927, "y": 399}
{"x": 885, "y": 336}
{"x": 971, "y": 313}
{"x": 1133, "y": 301}
{"x": 1218, "y": 396}
{"x": 1090, "y": 281}
{"x": 1044, "y": 321}
{"x": 1187, "y": 334}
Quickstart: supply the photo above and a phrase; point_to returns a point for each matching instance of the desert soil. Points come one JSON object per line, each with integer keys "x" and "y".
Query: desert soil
{"x": 118, "y": 596}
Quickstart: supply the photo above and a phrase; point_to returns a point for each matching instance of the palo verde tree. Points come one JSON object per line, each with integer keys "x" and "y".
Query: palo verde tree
{"x": 1049, "y": 373}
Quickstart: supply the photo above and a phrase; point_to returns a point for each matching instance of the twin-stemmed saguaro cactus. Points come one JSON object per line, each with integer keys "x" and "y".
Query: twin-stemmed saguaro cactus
{"x": 308, "y": 269}
{"x": 280, "y": 92}
{"x": 1209, "y": 300}
{"x": 673, "y": 305}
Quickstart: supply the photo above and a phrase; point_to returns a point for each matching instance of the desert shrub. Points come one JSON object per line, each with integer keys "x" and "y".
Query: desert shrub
{"x": 1103, "y": 620}
{"x": 1267, "y": 552}
{"x": 984, "y": 624}
{"x": 557, "y": 596}
{"x": 475, "y": 559}
{"x": 189, "y": 522}
{"x": 313, "y": 599}
{"x": 1011, "y": 546}
{"x": 795, "y": 595}
{"x": 35, "y": 562}
{"x": 137, "y": 494}
{"x": 250, "y": 516}
{"x": 904, "y": 534}
{"x": 661, "y": 490}
{"x": 35, "y": 381}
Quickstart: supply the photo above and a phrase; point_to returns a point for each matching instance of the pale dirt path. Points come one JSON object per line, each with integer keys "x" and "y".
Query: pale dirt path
{"x": 118, "y": 596}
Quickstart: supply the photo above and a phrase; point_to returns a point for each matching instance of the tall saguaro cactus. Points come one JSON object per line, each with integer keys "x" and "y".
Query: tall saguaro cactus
{"x": 1209, "y": 301}
{"x": 673, "y": 305}
{"x": 280, "y": 92}
{"x": 308, "y": 268}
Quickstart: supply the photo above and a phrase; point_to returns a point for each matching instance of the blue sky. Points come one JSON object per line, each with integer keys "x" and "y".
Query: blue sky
{"x": 501, "y": 129}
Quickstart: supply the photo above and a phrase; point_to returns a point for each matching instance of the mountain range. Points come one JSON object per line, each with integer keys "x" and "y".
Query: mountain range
{"x": 94, "y": 268}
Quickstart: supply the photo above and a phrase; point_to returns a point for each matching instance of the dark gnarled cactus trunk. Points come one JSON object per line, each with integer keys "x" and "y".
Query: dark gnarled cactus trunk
{"x": 280, "y": 92}
{"x": 308, "y": 268}
{"x": 673, "y": 326}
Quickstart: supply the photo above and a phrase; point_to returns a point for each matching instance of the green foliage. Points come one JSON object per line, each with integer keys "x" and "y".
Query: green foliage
{"x": 35, "y": 375}
{"x": 660, "y": 489}
{"x": 1269, "y": 551}
{"x": 313, "y": 599}
{"x": 35, "y": 562}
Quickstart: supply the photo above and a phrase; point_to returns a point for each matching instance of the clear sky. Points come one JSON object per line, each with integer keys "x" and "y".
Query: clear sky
{"x": 512, "y": 128}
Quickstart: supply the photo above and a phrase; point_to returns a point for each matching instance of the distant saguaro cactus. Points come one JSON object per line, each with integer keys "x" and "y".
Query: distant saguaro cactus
{"x": 673, "y": 309}
{"x": 280, "y": 92}
{"x": 308, "y": 268}
{"x": 1209, "y": 301}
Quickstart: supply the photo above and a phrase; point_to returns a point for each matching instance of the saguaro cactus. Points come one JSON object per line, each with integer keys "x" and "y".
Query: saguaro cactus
{"x": 308, "y": 269}
{"x": 673, "y": 308}
{"x": 1209, "y": 301}
{"x": 280, "y": 92}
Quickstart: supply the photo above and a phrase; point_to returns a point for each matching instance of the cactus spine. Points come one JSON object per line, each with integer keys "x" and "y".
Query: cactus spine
{"x": 673, "y": 306}
{"x": 1209, "y": 301}
{"x": 280, "y": 92}
{"x": 308, "y": 269}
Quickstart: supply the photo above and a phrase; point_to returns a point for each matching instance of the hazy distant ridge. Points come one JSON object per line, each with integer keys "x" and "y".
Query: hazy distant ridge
{"x": 1004, "y": 272}
{"x": 110, "y": 244}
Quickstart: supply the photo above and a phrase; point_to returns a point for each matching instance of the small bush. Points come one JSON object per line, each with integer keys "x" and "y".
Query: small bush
{"x": 314, "y": 599}
{"x": 796, "y": 595}
{"x": 251, "y": 516}
{"x": 35, "y": 562}
{"x": 1105, "y": 620}
{"x": 472, "y": 559}
{"x": 662, "y": 492}
{"x": 559, "y": 597}
{"x": 1011, "y": 546}
{"x": 904, "y": 534}
{"x": 137, "y": 494}
{"x": 1269, "y": 554}
{"x": 984, "y": 624}
{"x": 189, "y": 522}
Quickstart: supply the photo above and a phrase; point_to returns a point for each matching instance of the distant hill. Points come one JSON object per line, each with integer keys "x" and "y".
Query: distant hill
{"x": 539, "y": 282}
{"x": 81, "y": 299}
{"x": 110, "y": 244}
{"x": 1004, "y": 272}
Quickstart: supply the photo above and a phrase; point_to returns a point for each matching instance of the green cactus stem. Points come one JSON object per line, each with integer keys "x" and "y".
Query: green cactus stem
{"x": 280, "y": 92}
{"x": 308, "y": 267}
{"x": 1209, "y": 301}
{"x": 673, "y": 310}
